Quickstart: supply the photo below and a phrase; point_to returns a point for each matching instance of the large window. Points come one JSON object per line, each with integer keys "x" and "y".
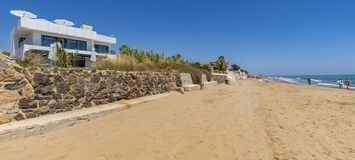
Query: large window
{"x": 48, "y": 40}
{"x": 70, "y": 44}
{"x": 81, "y": 45}
{"x": 101, "y": 48}
{"x": 66, "y": 43}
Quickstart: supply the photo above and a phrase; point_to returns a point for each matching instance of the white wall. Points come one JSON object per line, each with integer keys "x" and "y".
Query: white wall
{"x": 33, "y": 30}
{"x": 49, "y": 27}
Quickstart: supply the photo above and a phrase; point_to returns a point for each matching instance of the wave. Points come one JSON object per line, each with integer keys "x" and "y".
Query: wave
{"x": 303, "y": 81}
{"x": 289, "y": 80}
{"x": 327, "y": 84}
{"x": 316, "y": 80}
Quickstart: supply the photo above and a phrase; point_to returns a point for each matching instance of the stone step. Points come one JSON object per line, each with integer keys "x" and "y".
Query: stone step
{"x": 191, "y": 87}
{"x": 209, "y": 84}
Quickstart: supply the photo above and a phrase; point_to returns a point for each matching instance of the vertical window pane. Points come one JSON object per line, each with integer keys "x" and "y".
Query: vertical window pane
{"x": 47, "y": 40}
{"x": 101, "y": 48}
{"x": 81, "y": 45}
{"x": 70, "y": 44}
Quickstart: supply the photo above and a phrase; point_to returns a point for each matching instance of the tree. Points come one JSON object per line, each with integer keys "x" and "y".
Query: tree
{"x": 221, "y": 64}
{"x": 124, "y": 49}
{"x": 235, "y": 67}
{"x": 64, "y": 59}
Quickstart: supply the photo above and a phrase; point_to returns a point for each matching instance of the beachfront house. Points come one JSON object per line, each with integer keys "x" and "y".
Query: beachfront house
{"x": 34, "y": 35}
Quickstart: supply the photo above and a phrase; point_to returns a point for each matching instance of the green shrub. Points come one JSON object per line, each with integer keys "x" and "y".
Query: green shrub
{"x": 234, "y": 67}
{"x": 64, "y": 59}
{"x": 24, "y": 62}
{"x": 131, "y": 59}
{"x": 32, "y": 59}
{"x": 124, "y": 63}
{"x": 6, "y": 53}
{"x": 221, "y": 64}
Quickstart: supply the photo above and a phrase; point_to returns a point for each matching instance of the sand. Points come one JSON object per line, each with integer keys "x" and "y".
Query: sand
{"x": 247, "y": 120}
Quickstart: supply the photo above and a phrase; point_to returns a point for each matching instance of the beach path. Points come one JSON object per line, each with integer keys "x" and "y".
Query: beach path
{"x": 246, "y": 120}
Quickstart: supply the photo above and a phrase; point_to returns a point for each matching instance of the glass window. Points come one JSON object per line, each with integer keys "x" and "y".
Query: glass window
{"x": 101, "y": 48}
{"x": 61, "y": 41}
{"x": 70, "y": 44}
{"x": 81, "y": 45}
{"x": 21, "y": 41}
{"x": 47, "y": 40}
{"x": 66, "y": 43}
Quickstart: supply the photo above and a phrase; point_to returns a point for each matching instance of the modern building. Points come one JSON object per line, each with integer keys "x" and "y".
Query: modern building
{"x": 32, "y": 35}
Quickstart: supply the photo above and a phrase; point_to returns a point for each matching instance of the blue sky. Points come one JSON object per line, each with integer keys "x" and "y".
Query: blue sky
{"x": 265, "y": 37}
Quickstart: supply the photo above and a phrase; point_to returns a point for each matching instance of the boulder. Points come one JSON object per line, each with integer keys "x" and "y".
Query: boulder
{"x": 8, "y": 99}
{"x": 5, "y": 118}
{"x": 43, "y": 110}
{"x": 16, "y": 85}
{"x": 27, "y": 91}
{"x": 40, "y": 78}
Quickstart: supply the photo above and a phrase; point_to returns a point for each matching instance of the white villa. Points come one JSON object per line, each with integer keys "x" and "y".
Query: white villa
{"x": 37, "y": 35}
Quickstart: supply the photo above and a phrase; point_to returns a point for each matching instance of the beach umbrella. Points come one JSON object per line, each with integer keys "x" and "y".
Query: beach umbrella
{"x": 21, "y": 13}
{"x": 44, "y": 20}
{"x": 64, "y": 22}
{"x": 13, "y": 46}
{"x": 52, "y": 50}
{"x": 93, "y": 56}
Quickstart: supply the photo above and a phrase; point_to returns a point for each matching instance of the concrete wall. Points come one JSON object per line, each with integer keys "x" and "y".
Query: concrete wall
{"x": 219, "y": 78}
{"x": 222, "y": 77}
{"x": 183, "y": 79}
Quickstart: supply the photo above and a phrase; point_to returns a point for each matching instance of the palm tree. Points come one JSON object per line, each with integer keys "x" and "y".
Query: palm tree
{"x": 220, "y": 64}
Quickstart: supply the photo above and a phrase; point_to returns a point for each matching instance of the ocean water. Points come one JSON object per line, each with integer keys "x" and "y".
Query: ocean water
{"x": 319, "y": 80}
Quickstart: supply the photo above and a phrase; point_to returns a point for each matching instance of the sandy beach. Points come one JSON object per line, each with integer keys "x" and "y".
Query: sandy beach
{"x": 248, "y": 120}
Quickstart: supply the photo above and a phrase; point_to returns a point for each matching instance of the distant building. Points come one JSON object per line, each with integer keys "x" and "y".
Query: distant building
{"x": 37, "y": 35}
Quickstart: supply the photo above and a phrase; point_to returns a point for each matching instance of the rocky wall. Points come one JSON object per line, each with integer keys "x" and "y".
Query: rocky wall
{"x": 31, "y": 92}
{"x": 60, "y": 90}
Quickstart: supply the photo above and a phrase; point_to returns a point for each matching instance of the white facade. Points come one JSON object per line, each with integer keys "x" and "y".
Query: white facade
{"x": 37, "y": 34}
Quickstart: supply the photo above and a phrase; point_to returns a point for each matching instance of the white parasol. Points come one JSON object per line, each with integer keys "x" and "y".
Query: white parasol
{"x": 52, "y": 51}
{"x": 21, "y": 13}
{"x": 93, "y": 56}
{"x": 64, "y": 22}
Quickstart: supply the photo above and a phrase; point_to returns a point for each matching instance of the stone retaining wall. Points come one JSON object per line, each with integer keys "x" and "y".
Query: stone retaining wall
{"x": 27, "y": 93}
{"x": 32, "y": 92}
{"x": 60, "y": 90}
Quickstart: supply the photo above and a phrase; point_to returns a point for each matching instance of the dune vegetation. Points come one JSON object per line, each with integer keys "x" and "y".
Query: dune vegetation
{"x": 131, "y": 59}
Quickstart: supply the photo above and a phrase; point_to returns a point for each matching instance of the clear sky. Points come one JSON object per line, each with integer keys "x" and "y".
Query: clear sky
{"x": 263, "y": 36}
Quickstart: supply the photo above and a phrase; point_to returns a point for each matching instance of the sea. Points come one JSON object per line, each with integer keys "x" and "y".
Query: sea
{"x": 319, "y": 80}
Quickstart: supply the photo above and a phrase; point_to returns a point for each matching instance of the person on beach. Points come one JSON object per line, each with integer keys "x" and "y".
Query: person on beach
{"x": 340, "y": 83}
{"x": 347, "y": 83}
{"x": 309, "y": 81}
